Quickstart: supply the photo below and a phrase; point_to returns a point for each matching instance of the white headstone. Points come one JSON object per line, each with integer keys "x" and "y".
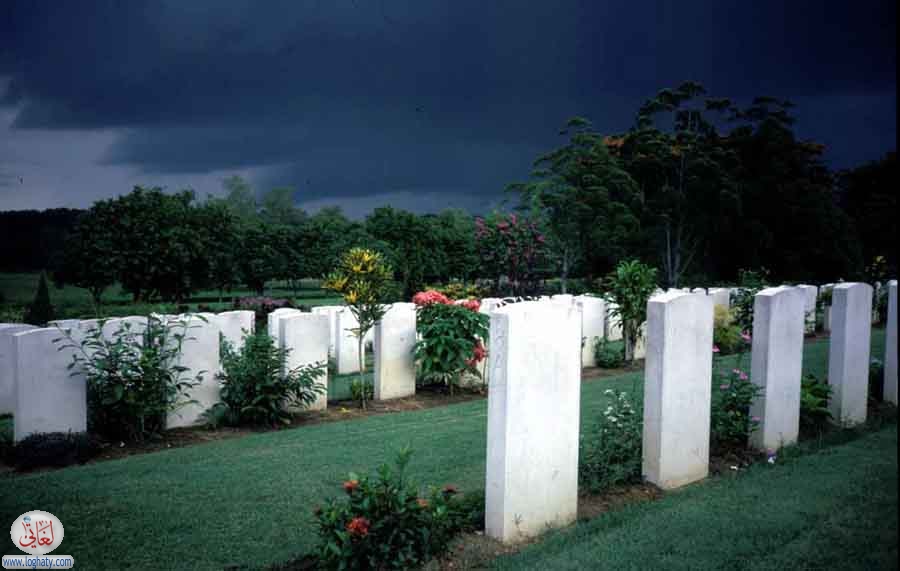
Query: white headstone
{"x": 395, "y": 365}
{"x": 533, "y": 420}
{"x": 346, "y": 348}
{"x": 331, "y": 311}
{"x": 811, "y": 294}
{"x": 721, "y": 296}
{"x": 8, "y": 364}
{"x": 776, "y": 365}
{"x": 593, "y": 317}
{"x": 49, "y": 398}
{"x": 272, "y": 326}
{"x": 305, "y": 336}
{"x": 848, "y": 354}
{"x": 235, "y": 325}
{"x": 890, "y": 348}
{"x": 563, "y": 298}
{"x": 677, "y": 389}
{"x": 200, "y": 354}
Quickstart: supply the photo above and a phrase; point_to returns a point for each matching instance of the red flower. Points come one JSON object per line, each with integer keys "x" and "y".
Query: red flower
{"x": 472, "y": 304}
{"x": 350, "y": 486}
{"x": 478, "y": 354}
{"x": 450, "y": 489}
{"x": 358, "y": 527}
{"x": 430, "y": 297}
{"x": 423, "y": 503}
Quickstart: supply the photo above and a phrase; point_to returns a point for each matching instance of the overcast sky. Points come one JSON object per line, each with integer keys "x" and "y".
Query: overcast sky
{"x": 419, "y": 104}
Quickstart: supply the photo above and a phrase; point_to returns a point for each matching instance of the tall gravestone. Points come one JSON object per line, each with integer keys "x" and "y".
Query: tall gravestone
{"x": 200, "y": 355}
{"x": 272, "y": 326}
{"x": 848, "y": 354}
{"x": 305, "y": 336}
{"x": 346, "y": 345}
{"x": 395, "y": 364}
{"x": 890, "y": 348}
{"x": 7, "y": 364}
{"x": 776, "y": 365}
{"x": 677, "y": 389}
{"x": 49, "y": 396}
{"x": 533, "y": 419}
{"x": 593, "y": 317}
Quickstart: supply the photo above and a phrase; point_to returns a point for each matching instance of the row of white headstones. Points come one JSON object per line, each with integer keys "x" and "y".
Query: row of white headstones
{"x": 537, "y": 351}
{"x": 535, "y": 382}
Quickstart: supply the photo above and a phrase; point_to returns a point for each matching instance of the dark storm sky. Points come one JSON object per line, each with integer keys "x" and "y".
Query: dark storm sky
{"x": 417, "y": 104}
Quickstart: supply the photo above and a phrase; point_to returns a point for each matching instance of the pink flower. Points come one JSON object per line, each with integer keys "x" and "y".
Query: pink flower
{"x": 715, "y": 348}
{"x": 755, "y": 418}
{"x": 472, "y": 304}
{"x": 746, "y": 337}
{"x": 743, "y": 376}
{"x": 723, "y": 386}
{"x": 430, "y": 297}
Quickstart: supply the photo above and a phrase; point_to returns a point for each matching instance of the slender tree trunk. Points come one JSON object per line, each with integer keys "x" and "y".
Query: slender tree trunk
{"x": 364, "y": 386}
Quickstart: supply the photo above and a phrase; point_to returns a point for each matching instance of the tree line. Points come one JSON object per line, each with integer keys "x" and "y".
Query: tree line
{"x": 699, "y": 187}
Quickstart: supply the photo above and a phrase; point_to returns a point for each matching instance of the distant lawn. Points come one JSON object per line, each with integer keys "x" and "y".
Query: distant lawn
{"x": 249, "y": 500}
{"x": 835, "y": 509}
{"x": 18, "y": 290}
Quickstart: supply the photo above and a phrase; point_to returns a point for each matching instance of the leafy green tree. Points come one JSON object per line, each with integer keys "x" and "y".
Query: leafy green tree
{"x": 453, "y": 234}
{"x": 240, "y": 198}
{"x": 41, "y": 310}
{"x": 683, "y": 167}
{"x": 510, "y": 246}
{"x": 278, "y": 207}
{"x": 221, "y": 234}
{"x": 324, "y": 236}
{"x": 586, "y": 200}
{"x": 90, "y": 257}
{"x": 258, "y": 256}
{"x": 403, "y": 236}
{"x": 869, "y": 197}
{"x": 630, "y": 287}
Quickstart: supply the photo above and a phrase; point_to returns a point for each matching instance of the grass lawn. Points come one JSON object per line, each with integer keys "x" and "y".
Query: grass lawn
{"x": 249, "y": 500}
{"x": 18, "y": 290}
{"x": 835, "y": 509}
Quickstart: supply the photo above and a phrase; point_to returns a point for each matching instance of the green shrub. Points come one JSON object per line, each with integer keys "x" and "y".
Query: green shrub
{"x": 814, "y": 413}
{"x": 630, "y": 285}
{"x": 750, "y": 283}
{"x": 256, "y": 388}
{"x": 41, "y": 310}
{"x": 360, "y": 391}
{"x": 610, "y": 454}
{"x": 727, "y": 334}
{"x": 53, "y": 449}
{"x": 383, "y": 522}
{"x": 608, "y": 354}
{"x": 450, "y": 337}
{"x": 730, "y": 422}
{"x": 133, "y": 379}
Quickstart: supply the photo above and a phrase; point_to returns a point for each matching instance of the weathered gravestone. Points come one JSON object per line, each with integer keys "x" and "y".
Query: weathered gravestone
{"x": 890, "y": 348}
{"x": 8, "y": 364}
{"x": 593, "y": 317}
{"x": 395, "y": 365}
{"x": 305, "y": 336}
{"x": 49, "y": 396}
{"x": 776, "y": 365}
{"x": 533, "y": 419}
{"x": 677, "y": 393}
{"x": 848, "y": 353}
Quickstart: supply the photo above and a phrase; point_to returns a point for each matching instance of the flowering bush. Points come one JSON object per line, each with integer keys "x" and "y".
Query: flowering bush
{"x": 458, "y": 290}
{"x": 511, "y": 246}
{"x": 726, "y": 333}
{"x": 451, "y": 337}
{"x": 384, "y": 523}
{"x": 611, "y": 454}
{"x": 732, "y": 395}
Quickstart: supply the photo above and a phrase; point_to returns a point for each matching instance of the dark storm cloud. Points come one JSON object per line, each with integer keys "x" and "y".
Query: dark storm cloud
{"x": 342, "y": 99}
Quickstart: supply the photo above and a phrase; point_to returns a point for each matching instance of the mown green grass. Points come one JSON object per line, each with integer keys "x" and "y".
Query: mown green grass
{"x": 249, "y": 500}
{"x": 836, "y": 509}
